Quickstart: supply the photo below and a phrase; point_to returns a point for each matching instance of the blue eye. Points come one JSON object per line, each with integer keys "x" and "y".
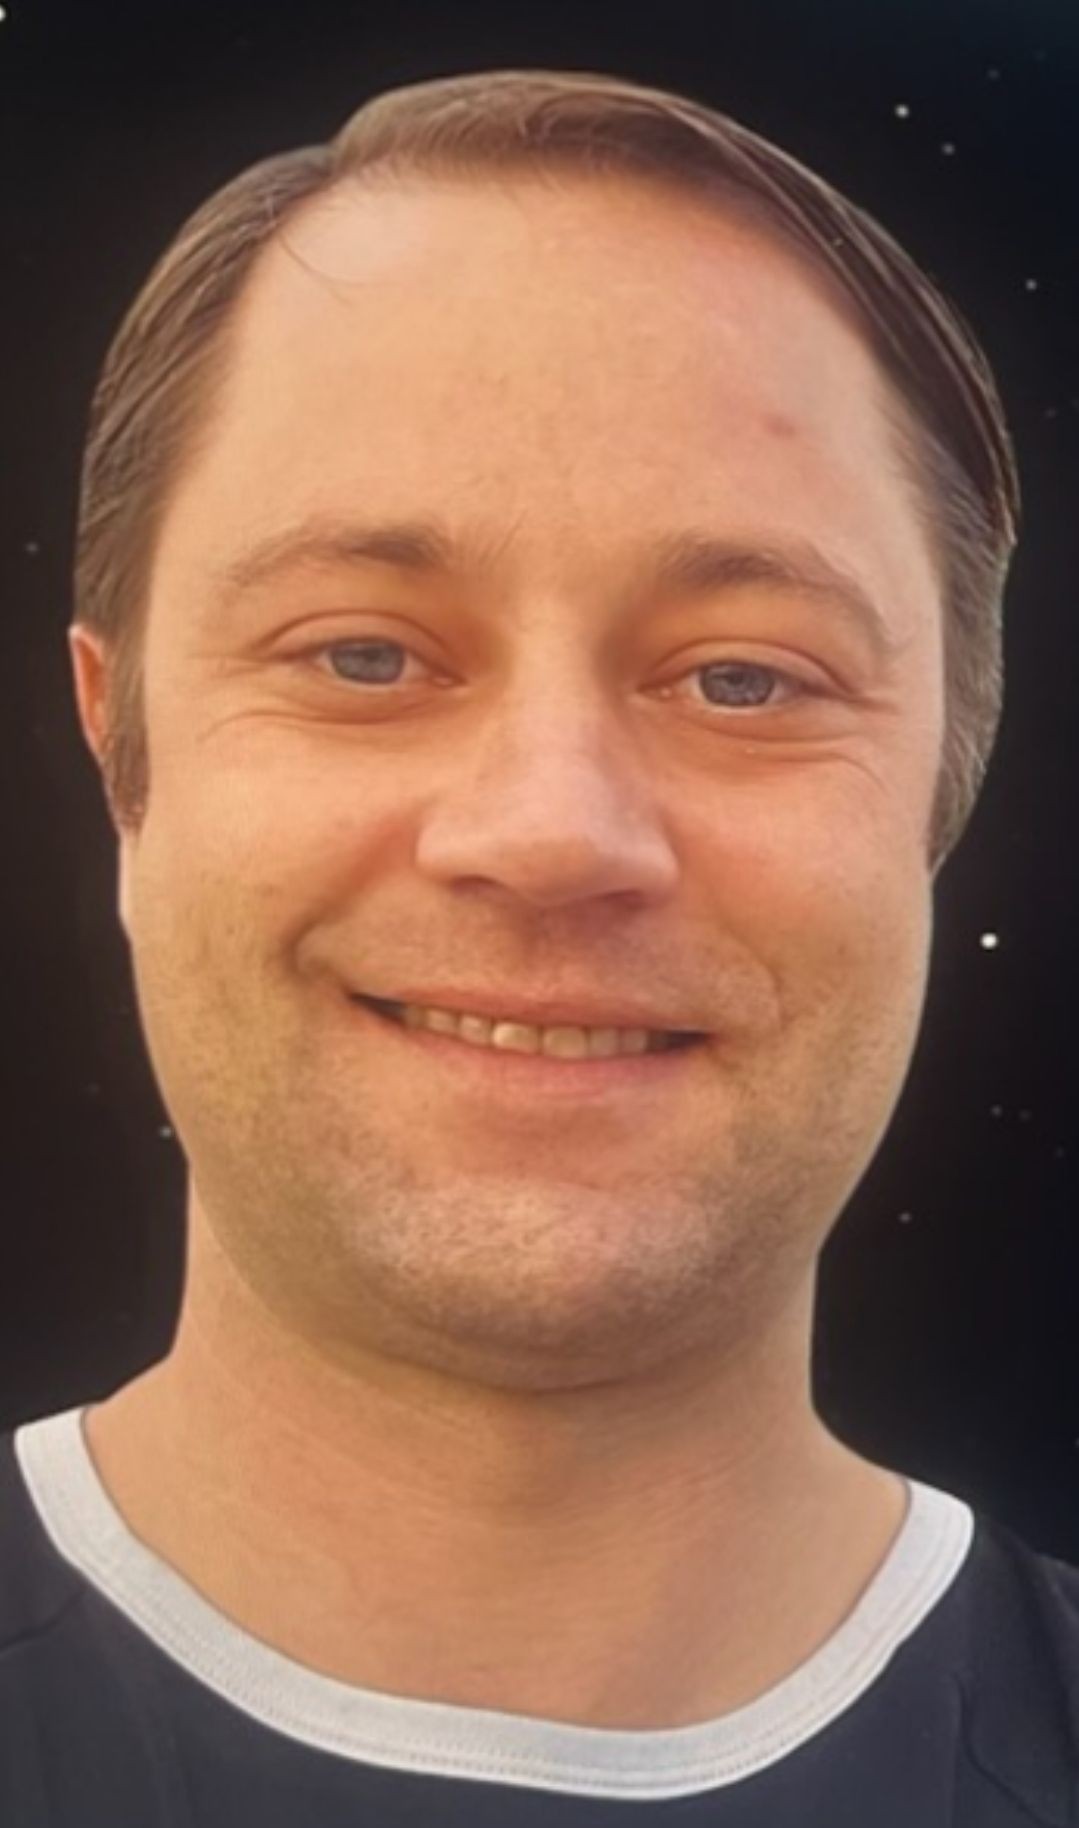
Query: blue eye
{"x": 384, "y": 670}
{"x": 744, "y": 673}
{"x": 371, "y": 661}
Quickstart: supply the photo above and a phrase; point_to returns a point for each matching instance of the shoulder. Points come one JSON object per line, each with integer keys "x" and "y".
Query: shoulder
{"x": 37, "y": 1587}
{"x": 1018, "y": 1676}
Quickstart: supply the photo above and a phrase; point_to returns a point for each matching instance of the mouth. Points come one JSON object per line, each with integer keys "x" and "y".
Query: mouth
{"x": 532, "y": 1040}
{"x": 513, "y": 1077}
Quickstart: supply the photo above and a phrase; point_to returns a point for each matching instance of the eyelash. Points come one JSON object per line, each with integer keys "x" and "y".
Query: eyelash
{"x": 803, "y": 689}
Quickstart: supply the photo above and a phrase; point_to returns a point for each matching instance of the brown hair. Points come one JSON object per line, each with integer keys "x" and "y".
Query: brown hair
{"x": 156, "y": 389}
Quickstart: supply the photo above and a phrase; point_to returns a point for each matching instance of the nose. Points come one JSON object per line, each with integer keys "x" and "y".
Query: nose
{"x": 550, "y": 802}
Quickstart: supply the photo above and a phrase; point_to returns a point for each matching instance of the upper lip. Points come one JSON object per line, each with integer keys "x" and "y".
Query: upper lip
{"x": 586, "y": 1011}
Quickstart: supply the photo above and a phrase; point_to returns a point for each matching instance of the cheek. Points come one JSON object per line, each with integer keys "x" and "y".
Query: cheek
{"x": 237, "y": 820}
{"x": 239, "y": 864}
{"x": 859, "y": 971}
{"x": 264, "y": 789}
{"x": 832, "y": 903}
{"x": 845, "y": 943}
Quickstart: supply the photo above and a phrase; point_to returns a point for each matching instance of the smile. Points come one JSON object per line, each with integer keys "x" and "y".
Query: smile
{"x": 561, "y": 1041}
{"x": 515, "y": 1081}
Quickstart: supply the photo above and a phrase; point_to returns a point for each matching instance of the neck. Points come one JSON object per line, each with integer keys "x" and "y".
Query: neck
{"x": 619, "y": 1555}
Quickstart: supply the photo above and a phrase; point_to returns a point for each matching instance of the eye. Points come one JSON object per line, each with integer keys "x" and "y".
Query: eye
{"x": 745, "y": 684}
{"x": 370, "y": 661}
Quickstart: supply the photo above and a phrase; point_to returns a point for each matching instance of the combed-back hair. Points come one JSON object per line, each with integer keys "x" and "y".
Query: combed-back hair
{"x": 157, "y": 384}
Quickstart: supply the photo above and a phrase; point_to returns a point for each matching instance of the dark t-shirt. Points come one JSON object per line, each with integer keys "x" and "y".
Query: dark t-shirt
{"x": 948, "y": 1698}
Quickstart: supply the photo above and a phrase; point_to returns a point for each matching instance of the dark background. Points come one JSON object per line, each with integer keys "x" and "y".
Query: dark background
{"x": 947, "y": 1339}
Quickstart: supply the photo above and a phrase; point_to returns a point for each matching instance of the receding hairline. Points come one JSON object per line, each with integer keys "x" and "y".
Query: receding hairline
{"x": 726, "y": 201}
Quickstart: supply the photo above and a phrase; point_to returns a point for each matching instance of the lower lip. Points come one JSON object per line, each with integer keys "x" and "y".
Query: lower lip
{"x": 537, "y": 1075}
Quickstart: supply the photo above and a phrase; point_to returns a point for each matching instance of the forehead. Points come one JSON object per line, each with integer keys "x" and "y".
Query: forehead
{"x": 563, "y": 357}
{"x": 555, "y": 275}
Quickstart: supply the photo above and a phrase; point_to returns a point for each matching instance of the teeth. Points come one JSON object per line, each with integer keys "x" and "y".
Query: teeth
{"x": 561, "y": 1042}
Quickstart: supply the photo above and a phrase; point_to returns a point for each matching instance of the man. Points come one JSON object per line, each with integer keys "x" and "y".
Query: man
{"x": 518, "y": 629}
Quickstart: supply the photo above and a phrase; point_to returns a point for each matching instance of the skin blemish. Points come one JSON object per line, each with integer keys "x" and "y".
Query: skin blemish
{"x": 780, "y": 426}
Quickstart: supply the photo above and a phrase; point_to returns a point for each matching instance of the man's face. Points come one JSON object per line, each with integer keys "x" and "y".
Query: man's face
{"x": 546, "y": 777}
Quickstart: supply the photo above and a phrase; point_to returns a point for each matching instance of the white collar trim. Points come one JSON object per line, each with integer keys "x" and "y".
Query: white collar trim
{"x": 435, "y": 1739}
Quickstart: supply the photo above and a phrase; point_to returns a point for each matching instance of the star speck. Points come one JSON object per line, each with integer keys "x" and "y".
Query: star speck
{"x": 948, "y": 146}
{"x": 902, "y": 110}
{"x": 993, "y": 75}
{"x": 989, "y": 941}
{"x": 1031, "y": 285}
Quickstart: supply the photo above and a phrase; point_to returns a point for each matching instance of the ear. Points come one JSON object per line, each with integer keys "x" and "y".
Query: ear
{"x": 90, "y": 666}
{"x": 89, "y": 660}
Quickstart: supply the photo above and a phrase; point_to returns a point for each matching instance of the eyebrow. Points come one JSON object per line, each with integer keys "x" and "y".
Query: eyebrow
{"x": 688, "y": 561}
